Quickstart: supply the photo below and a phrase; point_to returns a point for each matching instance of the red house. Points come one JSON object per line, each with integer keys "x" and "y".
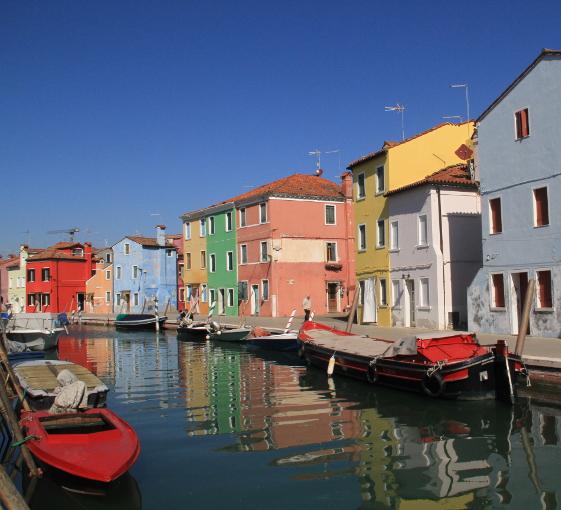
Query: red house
{"x": 56, "y": 278}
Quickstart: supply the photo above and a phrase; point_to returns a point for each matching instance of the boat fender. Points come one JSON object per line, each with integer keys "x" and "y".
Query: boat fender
{"x": 331, "y": 365}
{"x": 372, "y": 373}
{"x": 433, "y": 385}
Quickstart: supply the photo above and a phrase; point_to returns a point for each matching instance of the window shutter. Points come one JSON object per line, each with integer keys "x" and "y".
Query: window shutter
{"x": 544, "y": 284}
{"x": 524, "y": 126}
{"x": 542, "y": 216}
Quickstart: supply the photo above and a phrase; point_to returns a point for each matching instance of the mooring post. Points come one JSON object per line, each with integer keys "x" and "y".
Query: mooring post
{"x": 523, "y": 328}
{"x": 156, "y": 314}
{"x": 9, "y": 496}
{"x": 353, "y": 310}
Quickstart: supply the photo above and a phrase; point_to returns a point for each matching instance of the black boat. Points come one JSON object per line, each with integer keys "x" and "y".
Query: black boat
{"x": 138, "y": 321}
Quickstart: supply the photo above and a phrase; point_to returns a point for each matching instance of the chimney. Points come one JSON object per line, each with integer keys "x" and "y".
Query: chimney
{"x": 347, "y": 185}
{"x": 161, "y": 235}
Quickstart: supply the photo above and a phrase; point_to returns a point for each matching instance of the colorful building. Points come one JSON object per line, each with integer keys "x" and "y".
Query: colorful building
{"x": 177, "y": 241}
{"x": 517, "y": 163}
{"x": 145, "y": 271}
{"x": 56, "y": 277}
{"x": 99, "y": 288}
{"x": 395, "y": 165}
{"x": 16, "y": 279}
{"x": 10, "y": 262}
{"x": 434, "y": 248}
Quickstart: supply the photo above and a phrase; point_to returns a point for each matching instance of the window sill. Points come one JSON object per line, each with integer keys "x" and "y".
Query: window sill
{"x": 393, "y": 250}
{"x": 544, "y": 310}
{"x": 382, "y": 307}
{"x": 498, "y": 309}
{"x": 379, "y": 193}
{"x": 362, "y": 250}
{"x": 424, "y": 308}
{"x": 422, "y": 246}
{"x": 495, "y": 233}
{"x": 541, "y": 226}
{"x": 360, "y": 199}
{"x": 396, "y": 307}
{"x": 381, "y": 247}
{"x": 521, "y": 138}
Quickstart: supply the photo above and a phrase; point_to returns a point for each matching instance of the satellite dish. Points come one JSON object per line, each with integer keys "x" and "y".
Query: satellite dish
{"x": 464, "y": 152}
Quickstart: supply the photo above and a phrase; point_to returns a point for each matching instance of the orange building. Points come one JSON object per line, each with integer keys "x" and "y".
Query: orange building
{"x": 99, "y": 288}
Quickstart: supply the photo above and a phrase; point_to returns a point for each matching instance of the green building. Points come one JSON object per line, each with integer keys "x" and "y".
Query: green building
{"x": 222, "y": 259}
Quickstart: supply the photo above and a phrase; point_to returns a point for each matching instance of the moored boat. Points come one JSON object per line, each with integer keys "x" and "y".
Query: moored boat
{"x": 38, "y": 331}
{"x": 138, "y": 321}
{"x": 445, "y": 364}
{"x": 273, "y": 339}
{"x": 95, "y": 444}
{"x": 227, "y": 332}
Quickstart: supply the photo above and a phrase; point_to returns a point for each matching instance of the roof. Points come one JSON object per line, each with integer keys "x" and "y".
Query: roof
{"x": 293, "y": 186}
{"x": 65, "y": 245}
{"x": 52, "y": 253}
{"x": 452, "y": 176}
{"x": 149, "y": 241}
{"x": 11, "y": 262}
{"x": 544, "y": 53}
{"x": 391, "y": 144}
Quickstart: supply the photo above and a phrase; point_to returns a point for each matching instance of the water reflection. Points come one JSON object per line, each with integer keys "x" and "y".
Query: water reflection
{"x": 308, "y": 440}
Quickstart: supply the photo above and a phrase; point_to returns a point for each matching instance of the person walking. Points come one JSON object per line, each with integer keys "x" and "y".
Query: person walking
{"x": 307, "y": 305}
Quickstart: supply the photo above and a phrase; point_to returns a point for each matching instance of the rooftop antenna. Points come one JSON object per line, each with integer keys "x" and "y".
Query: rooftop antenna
{"x": 316, "y": 153}
{"x": 401, "y": 109}
{"x": 455, "y": 117}
{"x": 70, "y": 231}
{"x": 338, "y": 151}
{"x": 466, "y": 87}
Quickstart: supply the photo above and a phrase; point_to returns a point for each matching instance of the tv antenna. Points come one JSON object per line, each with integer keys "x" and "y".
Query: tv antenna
{"x": 70, "y": 231}
{"x": 336, "y": 151}
{"x": 317, "y": 154}
{"x": 401, "y": 109}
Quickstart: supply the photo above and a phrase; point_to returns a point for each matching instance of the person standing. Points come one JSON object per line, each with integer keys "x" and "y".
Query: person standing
{"x": 307, "y": 305}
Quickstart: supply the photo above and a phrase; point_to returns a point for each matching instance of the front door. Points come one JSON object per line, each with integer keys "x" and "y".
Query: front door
{"x": 80, "y": 299}
{"x": 221, "y": 298}
{"x": 332, "y": 297}
{"x": 369, "y": 304}
{"x": 255, "y": 300}
{"x": 410, "y": 303}
{"x": 520, "y": 286}
{"x": 125, "y": 302}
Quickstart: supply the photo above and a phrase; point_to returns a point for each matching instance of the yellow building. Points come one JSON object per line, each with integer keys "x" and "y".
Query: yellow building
{"x": 395, "y": 165}
{"x": 195, "y": 276}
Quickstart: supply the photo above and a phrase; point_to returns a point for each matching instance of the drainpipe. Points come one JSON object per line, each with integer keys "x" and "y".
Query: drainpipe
{"x": 442, "y": 253}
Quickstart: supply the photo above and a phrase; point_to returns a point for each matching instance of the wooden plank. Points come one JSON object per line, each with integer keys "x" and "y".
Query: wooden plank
{"x": 42, "y": 377}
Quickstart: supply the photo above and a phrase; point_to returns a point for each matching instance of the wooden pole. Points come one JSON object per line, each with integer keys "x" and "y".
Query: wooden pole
{"x": 523, "y": 327}
{"x": 10, "y": 371}
{"x": 9, "y": 496}
{"x": 143, "y": 306}
{"x": 353, "y": 310}
{"x": 167, "y": 306}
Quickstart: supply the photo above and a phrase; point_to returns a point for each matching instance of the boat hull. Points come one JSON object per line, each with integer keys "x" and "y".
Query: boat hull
{"x": 36, "y": 340}
{"x": 139, "y": 321}
{"x": 230, "y": 335}
{"x": 95, "y": 444}
{"x": 283, "y": 342}
{"x": 195, "y": 333}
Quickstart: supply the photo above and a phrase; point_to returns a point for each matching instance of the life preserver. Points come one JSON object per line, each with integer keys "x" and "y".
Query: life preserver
{"x": 433, "y": 385}
{"x": 372, "y": 374}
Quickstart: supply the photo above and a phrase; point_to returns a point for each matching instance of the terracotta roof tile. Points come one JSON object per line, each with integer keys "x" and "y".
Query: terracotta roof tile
{"x": 11, "y": 261}
{"x": 51, "y": 253}
{"x": 392, "y": 144}
{"x": 454, "y": 175}
{"x": 148, "y": 241}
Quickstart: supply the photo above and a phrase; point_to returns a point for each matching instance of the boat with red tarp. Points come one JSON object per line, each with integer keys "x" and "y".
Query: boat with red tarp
{"x": 95, "y": 444}
{"x": 444, "y": 364}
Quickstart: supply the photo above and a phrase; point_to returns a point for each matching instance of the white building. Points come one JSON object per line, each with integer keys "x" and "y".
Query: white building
{"x": 435, "y": 248}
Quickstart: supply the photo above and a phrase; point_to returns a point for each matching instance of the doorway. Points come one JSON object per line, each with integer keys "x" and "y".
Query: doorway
{"x": 369, "y": 304}
{"x": 409, "y": 304}
{"x": 332, "y": 297}
{"x": 255, "y": 299}
{"x": 221, "y": 299}
{"x": 125, "y": 301}
{"x": 81, "y": 300}
{"x": 519, "y": 286}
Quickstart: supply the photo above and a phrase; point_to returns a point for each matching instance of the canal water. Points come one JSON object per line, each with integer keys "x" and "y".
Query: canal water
{"x": 222, "y": 426}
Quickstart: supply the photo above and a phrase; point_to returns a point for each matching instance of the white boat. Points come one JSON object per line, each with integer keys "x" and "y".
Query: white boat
{"x": 38, "y": 331}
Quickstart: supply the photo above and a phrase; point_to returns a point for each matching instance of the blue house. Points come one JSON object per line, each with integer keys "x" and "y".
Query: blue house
{"x": 145, "y": 269}
{"x": 518, "y": 162}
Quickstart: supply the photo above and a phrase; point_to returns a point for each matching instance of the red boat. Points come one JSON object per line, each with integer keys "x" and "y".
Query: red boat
{"x": 95, "y": 444}
{"x": 446, "y": 364}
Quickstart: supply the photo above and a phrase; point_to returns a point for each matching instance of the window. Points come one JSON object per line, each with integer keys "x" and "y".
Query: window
{"x": 541, "y": 208}
{"x": 230, "y": 297}
{"x": 362, "y": 237}
{"x": 243, "y": 254}
{"x": 108, "y": 296}
{"x": 118, "y": 270}
{"x": 108, "y": 258}
{"x": 30, "y": 299}
{"x": 212, "y": 263}
{"x": 361, "y": 292}
{"x": 264, "y": 254}
{"x": 242, "y": 217}
{"x": 228, "y": 221}
{"x": 77, "y": 252}
{"x": 135, "y": 299}
{"x": 383, "y": 292}
{"x": 262, "y": 213}
{"x": 108, "y": 274}
{"x": 202, "y": 227}
{"x": 169, "y": 253}
{"x": 204, "y": 293}
{"x": 497, "y": 290}
{"x": 522, "y": 123}
{"x": 31, "y": 275}
{"x": 212, "y": 297}
{"x": 544, "y": 289}
{"x": 203, "y": 259}
{"x": 211, "y": 225}
{"x": 188, "y": 261}
{"x": 118, "y": 299}
{"x": 331, "y": 252}
{"x": 189, "y": 291}
{"x": 380, "y": 186}
{"x": 330, "y": 215}
{"x": 495, "y": 216}
{"x": 394, "y": 235}
{"x": 134, "y": 272}
{"x": 229, "y": 261}
{"x": 10, "y": 283}
{"x": 380, "y": 234}
{"x": 45, "y": 274}
{"x": 424, "y": 299}
{"x": 265, "y": 290}
{"x": 395, "y": 293}
{"x": 180, "y": 270}
{"x": 422, "y": 231}
{"x": 187, "y": 230}
{"x": 127, "y": 249}
{"x": 360, "y": 189}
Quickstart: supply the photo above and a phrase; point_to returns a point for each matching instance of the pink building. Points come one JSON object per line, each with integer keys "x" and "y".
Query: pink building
{"x": 295, "y": 237}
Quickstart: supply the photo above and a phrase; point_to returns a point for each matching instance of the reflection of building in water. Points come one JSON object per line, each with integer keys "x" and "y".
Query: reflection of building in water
{"x": 211, "y": 378}
{"x": 96, "y": 354}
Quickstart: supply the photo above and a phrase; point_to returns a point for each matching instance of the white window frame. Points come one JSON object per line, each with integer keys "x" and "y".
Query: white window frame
{"x": 263, "y": 213}
{"x": 394, "y": 235}
{"x": 118, "y": 272}
{"x": 211, "y": 296}
{"x": 118, "y": 299}
{"x": 203, "y": 259}
{"x": 211, "y": 226}
{"x": 31, "y": 275}
{"x": 361, "y": 290}
{"x": 362, "y": 246}
{"x": 383, "y": 293}
{"x": 230, "y": 297}
{"x": 539, "y": 305}
{"x": 43, "y": 269}
{"x": 360, "y": 196}
{"x": 135, "y": 299}
{"x": 107, "y": 296}
{"x": 516, "y": 137}
{"x": 127, "y": 248}
{"x": 134, "y": 272}
{"x": 396, "y": 290}
{"x": 327, "y": 251}
{"x": 108, "y": 274}
{"x": 263, "y": 297}
{"x": 228, "y": 223}
{"x": 380, "y": 191}
{"x": 491, "y": 230}
{"x": 383, "y": 223}
{"x": 334, "y": 214}
{"x": 212, "y": 263}
{"x": 188, "y": 261}
{"x": 243, "y": 217}
{"x": 424, "y": 292}
{"x": 243, "y": 254}
{"x": 492, "y": 291}
{"x": 535, "y": 223}
{"x": 420, "y": 243}
{"x": 229, "y": 261}
{"x": 187, "y": 230}
{"x": 266, "y": 257}
{"x": 108, "y": 258}
{"x": 202, "y": 227}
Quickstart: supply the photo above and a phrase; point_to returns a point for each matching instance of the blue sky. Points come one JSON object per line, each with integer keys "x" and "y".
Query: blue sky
{"x": 118, "y": 115}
